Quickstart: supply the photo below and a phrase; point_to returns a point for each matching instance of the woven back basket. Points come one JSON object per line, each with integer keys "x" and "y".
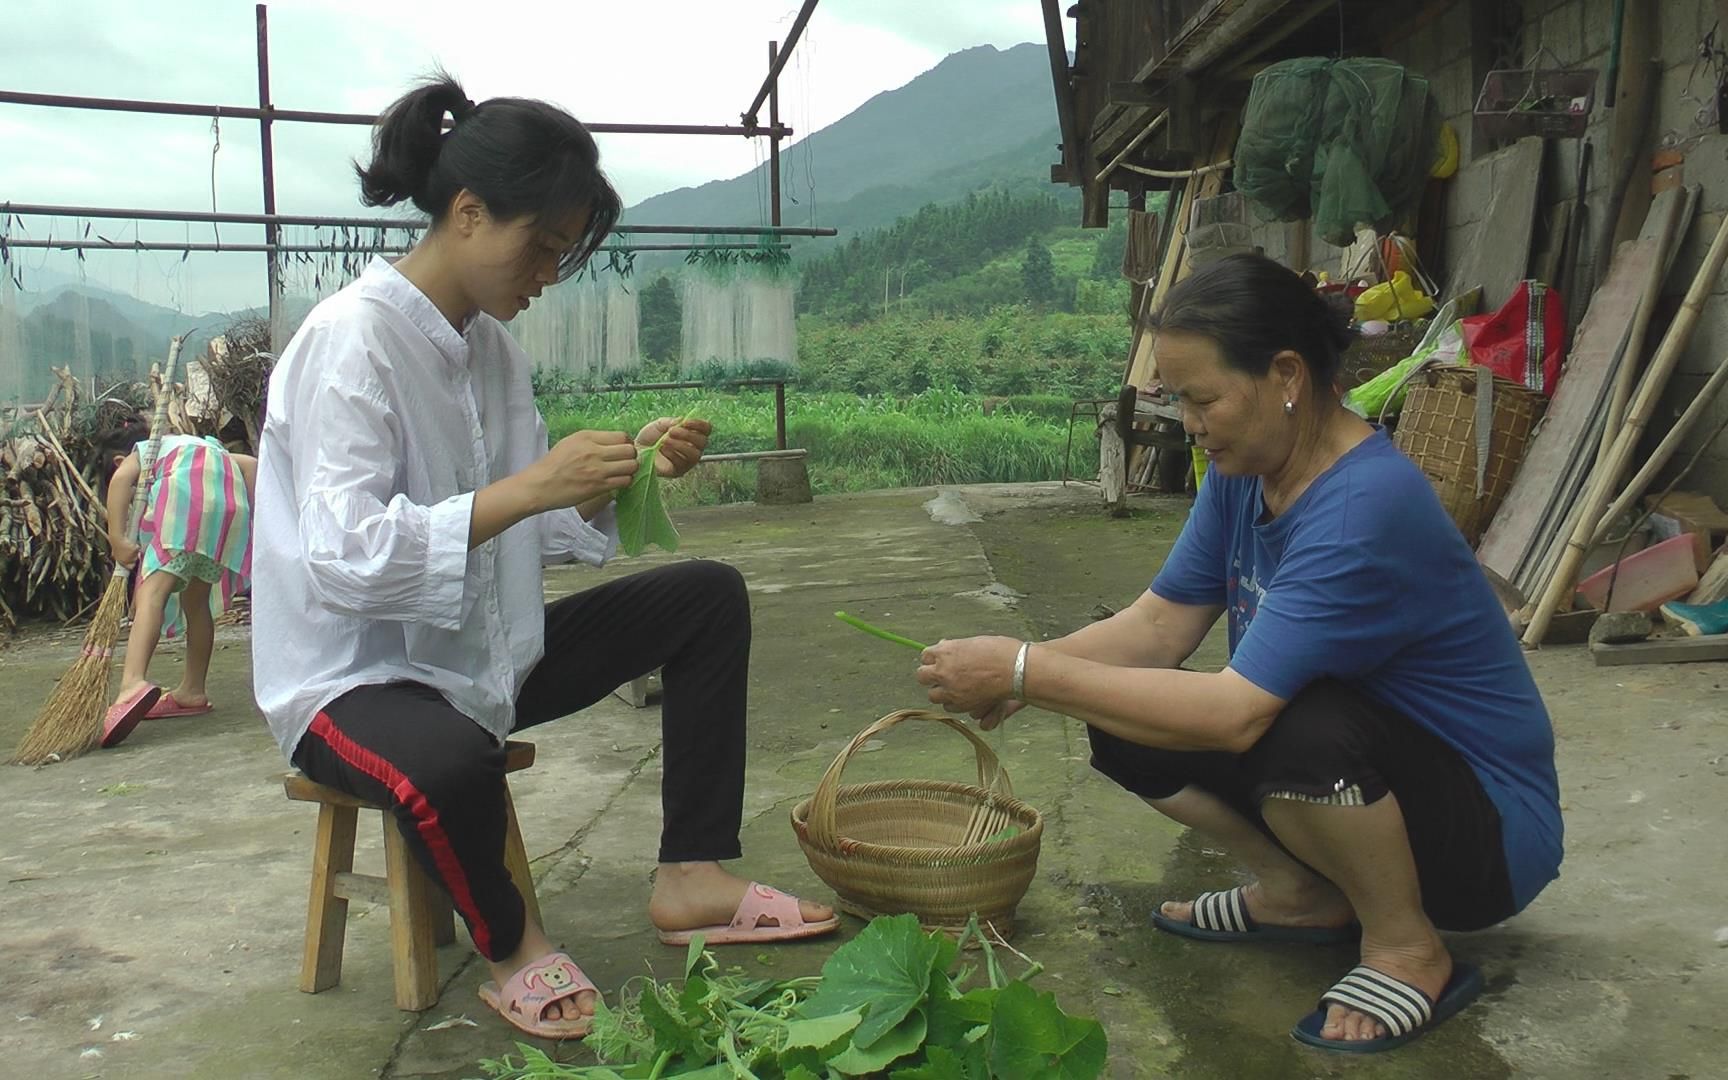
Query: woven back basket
{"x": 1439, "y": 430}
{"x": 933, "y": 848}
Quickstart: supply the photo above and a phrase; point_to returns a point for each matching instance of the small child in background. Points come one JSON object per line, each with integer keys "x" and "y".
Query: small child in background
{"x": 193, "y": 554}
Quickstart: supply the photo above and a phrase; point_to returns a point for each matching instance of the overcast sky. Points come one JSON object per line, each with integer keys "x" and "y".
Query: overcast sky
{"x": 636, "y": 61}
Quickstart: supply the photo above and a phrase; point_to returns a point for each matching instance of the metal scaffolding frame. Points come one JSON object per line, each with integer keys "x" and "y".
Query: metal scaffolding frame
{"x": 267, "y": 114}
{"x": 272, "y": 220}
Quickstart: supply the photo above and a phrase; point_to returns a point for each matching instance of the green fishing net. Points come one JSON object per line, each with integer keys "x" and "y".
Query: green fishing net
{"x": 1345, "y": 142}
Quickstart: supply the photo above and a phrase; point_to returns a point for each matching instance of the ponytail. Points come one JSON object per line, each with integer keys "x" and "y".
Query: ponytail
{"x": 406, "y": 141}
{"x": 522, "y": 158}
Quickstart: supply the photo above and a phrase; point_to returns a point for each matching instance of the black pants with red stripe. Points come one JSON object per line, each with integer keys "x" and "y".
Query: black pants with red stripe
{"x": 403, "y": 744}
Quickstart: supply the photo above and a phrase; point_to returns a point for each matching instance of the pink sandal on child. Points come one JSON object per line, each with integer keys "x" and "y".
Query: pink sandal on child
{"x": 523, "y": 1001}
{"x": 167, "y": 707}
{"x": 124, "y": 714}
{"x": 760, "y": 902}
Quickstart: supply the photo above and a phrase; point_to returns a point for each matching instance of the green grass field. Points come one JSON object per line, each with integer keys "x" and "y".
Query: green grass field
{"x": 856, "y": 443}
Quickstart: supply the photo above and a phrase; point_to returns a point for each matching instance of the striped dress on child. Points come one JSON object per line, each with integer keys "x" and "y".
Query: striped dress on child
{"x": 197, "y": 523}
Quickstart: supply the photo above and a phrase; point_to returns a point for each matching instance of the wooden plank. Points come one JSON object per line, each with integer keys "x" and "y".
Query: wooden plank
{"x": 1498, "y": 254}
{"x": 1061, "y": 82}
{"x": 1561, "y": 438}
{"x": 367, "y": 887}
{"x": 1130, "y": 93}
{"x": 1696, "y": 511}
{"x": 1676, "y": 650}
{"x": 1713, "y": 586}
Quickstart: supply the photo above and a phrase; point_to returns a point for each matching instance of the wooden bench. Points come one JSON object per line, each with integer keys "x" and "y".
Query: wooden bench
{"x": 421, "y": 918}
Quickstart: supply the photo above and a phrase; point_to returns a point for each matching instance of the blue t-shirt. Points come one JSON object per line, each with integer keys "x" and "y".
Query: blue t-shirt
{"x": 1365, "y": 579}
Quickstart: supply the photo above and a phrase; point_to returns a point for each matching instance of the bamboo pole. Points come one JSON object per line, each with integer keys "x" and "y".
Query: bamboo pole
{"x": 1627, "y": 377}
{"x": 1664, "y": 450}
{"x": 1603, "y": 477}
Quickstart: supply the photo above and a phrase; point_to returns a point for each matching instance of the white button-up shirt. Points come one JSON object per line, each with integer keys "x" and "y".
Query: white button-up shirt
{"x": 383, "y": 421}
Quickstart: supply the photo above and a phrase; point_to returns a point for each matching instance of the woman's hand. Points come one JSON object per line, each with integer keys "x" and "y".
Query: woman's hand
{"x": 990, "y": 718}
{"x": 970, "y": 675}
{"x": 581, "y": 467}
{"x": 683, "y": 447}
{"x": 125, "y": 553}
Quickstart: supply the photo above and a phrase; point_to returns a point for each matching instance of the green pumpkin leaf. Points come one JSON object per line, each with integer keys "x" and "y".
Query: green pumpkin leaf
{"x": 822, "y": 1031}
{"x": 641, "y": 513}
{"x": 903, "y": 1039}
{"x": 672, "y": 1032}
{"x": 942, "y": 1063}
{"x": 1032, "y": 1036}
{"x": 958, "y": 1020}
{"x": 885, "y": 972}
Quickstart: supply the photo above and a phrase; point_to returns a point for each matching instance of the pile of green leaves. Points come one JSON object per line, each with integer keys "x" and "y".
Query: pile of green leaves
{"x": 893, "y": 1002}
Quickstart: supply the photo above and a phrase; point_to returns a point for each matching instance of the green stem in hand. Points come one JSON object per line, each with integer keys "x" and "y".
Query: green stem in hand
{"x": 852, "y": 620}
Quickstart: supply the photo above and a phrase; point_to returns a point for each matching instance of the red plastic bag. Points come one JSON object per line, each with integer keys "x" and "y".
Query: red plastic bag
{"x": 1523, "y": 340}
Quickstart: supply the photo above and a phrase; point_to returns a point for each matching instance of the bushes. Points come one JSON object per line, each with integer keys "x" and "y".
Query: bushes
{"x": 1009, "y": 352}
{"x": 856, "y": 443}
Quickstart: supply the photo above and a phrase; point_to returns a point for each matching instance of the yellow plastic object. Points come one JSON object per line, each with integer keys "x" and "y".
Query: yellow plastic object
{"x": 1449, "y": 153}
{"x": 1393, "y": 301}
{"x": 1199, "y": 467}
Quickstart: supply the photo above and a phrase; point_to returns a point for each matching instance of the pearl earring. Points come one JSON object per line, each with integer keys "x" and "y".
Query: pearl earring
{"x": 1289, "y": 407}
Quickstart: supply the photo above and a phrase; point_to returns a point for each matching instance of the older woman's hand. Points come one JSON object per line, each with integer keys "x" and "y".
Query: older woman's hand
{"x": 969, "y": 675}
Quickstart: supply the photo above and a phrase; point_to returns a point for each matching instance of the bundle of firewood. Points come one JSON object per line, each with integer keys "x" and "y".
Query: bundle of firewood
{"x": 54, "y": 558}
{"x": 238, "y": 365}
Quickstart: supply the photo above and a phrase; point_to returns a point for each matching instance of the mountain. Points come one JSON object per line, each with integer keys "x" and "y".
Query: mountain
{"x": 97, "y": 331}
{"x": 982, "y": 118}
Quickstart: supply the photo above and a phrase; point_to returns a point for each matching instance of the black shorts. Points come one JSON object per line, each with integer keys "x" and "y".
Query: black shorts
{"x": 1334, "y": 743}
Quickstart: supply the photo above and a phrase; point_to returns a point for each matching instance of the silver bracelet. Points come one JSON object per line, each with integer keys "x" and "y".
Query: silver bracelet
{"x": 1019, "y": 685}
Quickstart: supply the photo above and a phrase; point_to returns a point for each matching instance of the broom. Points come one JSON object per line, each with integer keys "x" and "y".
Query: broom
{"x": 70, "y": 722}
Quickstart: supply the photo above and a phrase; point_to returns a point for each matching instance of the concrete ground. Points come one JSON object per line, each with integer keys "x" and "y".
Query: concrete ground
{"x": 153, "y": 898}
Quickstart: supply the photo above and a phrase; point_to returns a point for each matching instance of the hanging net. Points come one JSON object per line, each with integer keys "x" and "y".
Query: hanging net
{"x": 303, "y": 278}
{"x": 586, "y": 328}
{"x": 11, "y": 330}
{"x": 738, "y": 313}
{"x": 1345, "y": 142}
{"x": 60, "y": 311}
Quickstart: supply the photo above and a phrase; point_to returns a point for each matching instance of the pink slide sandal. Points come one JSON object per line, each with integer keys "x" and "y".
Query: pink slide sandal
{"x": 124, "y": 714}
{"x": 523, "y": 1001}
{"x": 760, "y": 902}
{"x": 166, "y": 707}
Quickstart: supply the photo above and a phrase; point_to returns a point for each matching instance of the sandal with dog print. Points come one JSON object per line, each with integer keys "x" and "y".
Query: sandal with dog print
{"x": 523, "y": 1001}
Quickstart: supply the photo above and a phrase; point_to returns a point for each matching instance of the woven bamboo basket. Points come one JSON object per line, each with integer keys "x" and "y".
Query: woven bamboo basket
{"x": 1438, "y": 431}
{"x": 896, "y": 846}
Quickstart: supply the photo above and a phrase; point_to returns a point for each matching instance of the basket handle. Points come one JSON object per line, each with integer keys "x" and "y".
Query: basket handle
{"x": 824, "y": 803}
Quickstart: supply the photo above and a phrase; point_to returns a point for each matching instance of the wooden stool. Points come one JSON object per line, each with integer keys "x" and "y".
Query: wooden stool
{"x": 421, "y": 917}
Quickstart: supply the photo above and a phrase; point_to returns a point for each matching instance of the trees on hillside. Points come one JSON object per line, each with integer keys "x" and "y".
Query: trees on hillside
{"x": 662, "y": 320}
{"x": 942, "y": 241}
{"x": 1038, "y": 275}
